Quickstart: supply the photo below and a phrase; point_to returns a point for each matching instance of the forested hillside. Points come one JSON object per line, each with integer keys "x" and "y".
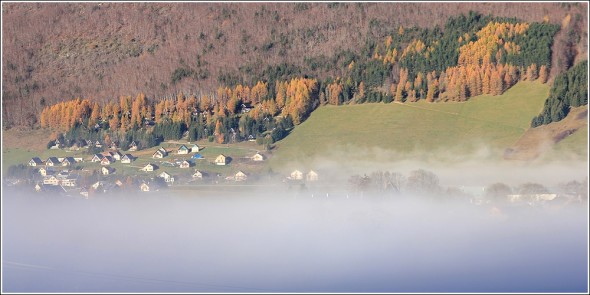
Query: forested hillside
{"x": 331, "y": 53}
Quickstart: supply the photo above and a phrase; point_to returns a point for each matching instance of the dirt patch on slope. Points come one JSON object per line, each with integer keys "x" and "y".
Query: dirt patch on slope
{"x": 535, "y": 141}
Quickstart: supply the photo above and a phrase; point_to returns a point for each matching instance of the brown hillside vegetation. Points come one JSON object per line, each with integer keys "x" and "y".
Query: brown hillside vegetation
{"x": 58, "y": 51}
{"x": 535, "y": 141}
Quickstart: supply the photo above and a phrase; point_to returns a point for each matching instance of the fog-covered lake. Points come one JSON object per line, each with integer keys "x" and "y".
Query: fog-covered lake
{"x": 281, "y": 244}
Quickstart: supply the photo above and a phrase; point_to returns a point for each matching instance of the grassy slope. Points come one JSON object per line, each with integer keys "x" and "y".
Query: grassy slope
{"x": 396, "y": 131}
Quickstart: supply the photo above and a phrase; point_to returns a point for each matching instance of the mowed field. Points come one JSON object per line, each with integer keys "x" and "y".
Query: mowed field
{"x": 485, "y": 125}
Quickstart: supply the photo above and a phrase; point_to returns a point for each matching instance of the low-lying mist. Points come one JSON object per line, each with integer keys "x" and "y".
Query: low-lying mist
{"x": 274, "y": 242}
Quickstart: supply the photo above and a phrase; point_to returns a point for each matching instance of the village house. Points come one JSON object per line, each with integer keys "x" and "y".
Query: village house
{"x": 199, "y": 174}
{"x": 84, "y": 193}
{"x": 149, "y": 167}
{"x": 98, "y": 144}
{"x": 52, "y": 161}
{"x": 257, "y": 157}
{"x": 167, "y": 177}
{"x": 144, "y": 187}
{"x": 68, "y": 161}
{"x": 97, "y": 185}
{"x": 311, "y": 176}
{"x": 220, "y": 160}
{"x": 117, "y": 155}
{"x": 107, "y": 160}
{"x": 160, "y": 153}
{"x": 149, "y": 187}
{"x": 195, "y": 148}
{"x": 35, "y": 161}
{"x": 297, "y": 175}
{"x": 96, "y": 158}
{"x": 114, "y": 146}
{"x": 182, "y": 150}
{"x": 79, "y": 160}
{"x": 133, "y": 146}
{"x": 185, "y": 164}
{"x": 127, "y": 158}
{"x": 46, "y": 188}
{"x": 241, "y": 176}
{"x": 107, "y": 170}
{"x": 88, "y": 143}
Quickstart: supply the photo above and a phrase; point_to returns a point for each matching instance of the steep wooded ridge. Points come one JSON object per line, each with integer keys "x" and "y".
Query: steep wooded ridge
{"x": 55, "y": 52}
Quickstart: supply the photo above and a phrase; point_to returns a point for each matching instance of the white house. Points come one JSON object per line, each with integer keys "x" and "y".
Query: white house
{"x": 52, "y": 161}
{"x": 298, "y": 175}
{"x": 311, "y": 176}
{"x": 220, "y": 160}
{"x": 35, "y": 161}
{"x": 185, "y": 164}
{"x": 126, "y": 159}
{"x": 257, "y": 157}
{"x": 167, "y": 177}
{"x": 117, "y": 155}
{"x": 107, "y": 170}
{"x": 195, "y": 148}
{"x": 149, "y": 167}
{"x": 107, "y": 160}
{"x": 198, "y": 175}
{"x": 182, "y": 150}
{"x": 160, "y": 153}
{"x": 241, "y": 176}
{"x": 97, "y": 158}
{"x": 133, "y": 146}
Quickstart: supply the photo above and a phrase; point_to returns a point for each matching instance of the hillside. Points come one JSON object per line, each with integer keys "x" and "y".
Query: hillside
{"x": 58, "y": 51}
{"x": 484, "y": 127}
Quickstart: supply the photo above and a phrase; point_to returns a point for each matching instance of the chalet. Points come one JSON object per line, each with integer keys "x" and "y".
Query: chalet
{"x": 160, "y": 153}
{"x": 35, "y": 161}
{"x": 52, "y": 161}
{"x": 107, "y": 160}
{"x": 195, "y": 148}
{"x": 182, "y": 150}
{"x": 96, "y": 158}
{"x": 79, "y": 160}
{"x": 114, "y": 146}
{"x": 46, "y": 171}
{"x": 149, "y": 167}
{"x": 199, "y": 175}
{"x": 133, "y": 146}
{"x": 98, "y": 144}
{"x": 107, "y": 170}
{"x": 257, "y": 157}
{"x": 88, "y": 143}
{"x": 117, "y": 155}
{"x": 298, "y": 175}
{"x": 220, "y": 160}
{"x": 68, "y": 161}
{"x": 167, "y": 177}
{"x": 127, "y": 158}
{"x": 56, "y": 145}
{"x": 241, "y": 176}
{"x": 251, "y": 138}
{"x": 185, "y": 164}
{"x": 311, "y": 176}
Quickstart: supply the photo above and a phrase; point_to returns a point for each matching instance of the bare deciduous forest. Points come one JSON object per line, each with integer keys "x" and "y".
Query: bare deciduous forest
{"x": 58, "y": 51}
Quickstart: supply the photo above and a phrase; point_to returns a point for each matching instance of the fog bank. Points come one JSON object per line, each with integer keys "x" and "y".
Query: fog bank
{"x": 274, "y": 243}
